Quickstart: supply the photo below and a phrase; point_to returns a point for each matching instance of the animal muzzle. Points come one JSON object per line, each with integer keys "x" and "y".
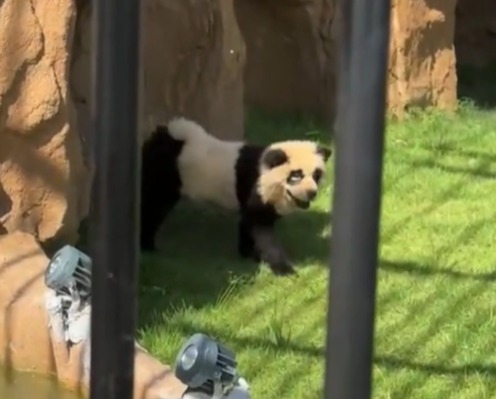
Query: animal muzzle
{"x": 303, "y": 203}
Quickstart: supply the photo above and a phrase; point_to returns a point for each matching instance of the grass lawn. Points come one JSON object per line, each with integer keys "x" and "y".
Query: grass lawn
{"x": 436, "y": 315}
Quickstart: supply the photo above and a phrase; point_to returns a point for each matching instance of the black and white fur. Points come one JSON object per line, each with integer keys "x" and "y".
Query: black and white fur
{"x": 259, "y": 182}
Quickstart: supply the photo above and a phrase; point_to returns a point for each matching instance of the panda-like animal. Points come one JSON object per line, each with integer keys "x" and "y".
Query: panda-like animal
{"x": 262, "y": 183}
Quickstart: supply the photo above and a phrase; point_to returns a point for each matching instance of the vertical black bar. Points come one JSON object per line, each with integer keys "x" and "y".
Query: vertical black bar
{"x": 344, "y": 56}
{"x": 114, "y": 220}
{"x": 357, "y": 198}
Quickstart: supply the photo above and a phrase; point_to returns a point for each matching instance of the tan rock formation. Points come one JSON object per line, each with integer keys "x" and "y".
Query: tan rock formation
{"x": 475, "y": 34}
{"x": 193, "y": 61}
{"x": 23, "y": 344}
{"x": 41, "y": 167}
{"x": 290, "y": 54}
{"x": 422, "y": 68}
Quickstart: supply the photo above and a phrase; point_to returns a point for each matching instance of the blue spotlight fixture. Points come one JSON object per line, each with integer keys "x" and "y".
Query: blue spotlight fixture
{"x": 206, "y": 366}
{"x": 69, "y": 270}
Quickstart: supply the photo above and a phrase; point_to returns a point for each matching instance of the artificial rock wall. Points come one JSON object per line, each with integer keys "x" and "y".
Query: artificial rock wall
{"x": 192, "y": 64}
{"x": 42, "y": 171}
{"x": 290, "y": 46}
{"x": 422, "y": 64}
{"x": 203, "y": 59}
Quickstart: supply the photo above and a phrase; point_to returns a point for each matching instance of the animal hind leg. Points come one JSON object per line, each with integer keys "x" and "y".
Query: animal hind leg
{"x": 153, "y": 212}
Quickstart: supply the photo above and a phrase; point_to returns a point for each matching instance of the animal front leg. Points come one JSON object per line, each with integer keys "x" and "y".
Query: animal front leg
{"x": 271, "y": 251}
{"x": 246, "y": 243}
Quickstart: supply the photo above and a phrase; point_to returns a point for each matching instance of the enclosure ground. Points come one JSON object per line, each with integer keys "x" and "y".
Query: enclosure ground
{"x": 435, "y": 331}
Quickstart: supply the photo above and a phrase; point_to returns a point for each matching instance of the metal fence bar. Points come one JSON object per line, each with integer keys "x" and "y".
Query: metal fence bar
{"x": 357, "y": 198}
{"x": 114, "y": 221}
{"x": 344, "y": 56}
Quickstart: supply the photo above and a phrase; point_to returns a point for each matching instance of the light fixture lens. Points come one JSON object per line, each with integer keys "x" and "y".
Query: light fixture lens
{"x": 55, "y": 262}
{"x": 189, "y": 357}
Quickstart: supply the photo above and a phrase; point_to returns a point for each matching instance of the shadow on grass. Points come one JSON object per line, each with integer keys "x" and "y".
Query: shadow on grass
{"x": 443, "y": 310}
{"x": 442, "y": 198}
{"x": 484, "y": 157}
{"x": 387, "y": 361}
{"x": 416, "y": 269}
{"x": 480, "y": 171}
{"x": 198, "y": 261}
{"x": 485, "y": 161}
{"x": 392, "y": 362}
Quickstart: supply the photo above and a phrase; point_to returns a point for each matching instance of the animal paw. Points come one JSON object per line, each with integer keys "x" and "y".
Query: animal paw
{"x": 283, "y": 269}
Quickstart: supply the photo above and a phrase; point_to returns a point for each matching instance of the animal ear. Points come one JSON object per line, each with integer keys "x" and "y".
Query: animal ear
{"x": 324, "y": 152}
{"x": 275, "y": 157}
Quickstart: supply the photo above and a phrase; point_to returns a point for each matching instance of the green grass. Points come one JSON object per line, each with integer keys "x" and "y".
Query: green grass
{"x": 436, "y": 324}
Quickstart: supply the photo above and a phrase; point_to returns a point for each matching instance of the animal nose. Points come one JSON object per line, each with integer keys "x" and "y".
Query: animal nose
{"x": 311, "y": 194}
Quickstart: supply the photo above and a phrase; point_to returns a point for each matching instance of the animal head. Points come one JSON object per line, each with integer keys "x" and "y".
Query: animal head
{"x": 291, "y": 173}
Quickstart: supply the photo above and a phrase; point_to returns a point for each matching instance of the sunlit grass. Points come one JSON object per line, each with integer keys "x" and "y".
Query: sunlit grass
{"x": 437, "y": 293}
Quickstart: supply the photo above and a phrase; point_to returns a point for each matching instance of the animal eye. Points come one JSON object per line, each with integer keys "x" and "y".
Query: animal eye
{"x": 317, "y": 175}
{"x": 295, "y": 176}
